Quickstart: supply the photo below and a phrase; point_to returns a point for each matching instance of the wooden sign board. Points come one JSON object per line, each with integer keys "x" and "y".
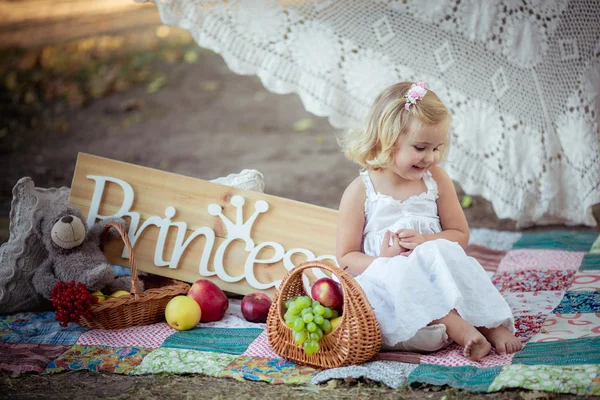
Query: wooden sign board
{"x": 189, "y": 229}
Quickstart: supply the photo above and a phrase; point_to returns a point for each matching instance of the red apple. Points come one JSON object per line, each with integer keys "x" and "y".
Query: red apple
{"x": 210, "y": 298}
{"x": 255, "y": 307}
{"x": 328, "y": 292}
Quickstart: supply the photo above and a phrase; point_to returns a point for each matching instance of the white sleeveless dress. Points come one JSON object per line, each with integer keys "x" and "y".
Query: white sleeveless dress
{"x": 407, "y": 293}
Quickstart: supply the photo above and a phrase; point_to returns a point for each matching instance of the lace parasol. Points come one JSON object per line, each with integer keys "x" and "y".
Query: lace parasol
{"x": 521, "y": 78}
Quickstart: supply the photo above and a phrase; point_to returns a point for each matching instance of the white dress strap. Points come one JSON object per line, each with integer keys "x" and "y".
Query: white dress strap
{"x": 370, "y": 189}
{"x": 429, "y": 181}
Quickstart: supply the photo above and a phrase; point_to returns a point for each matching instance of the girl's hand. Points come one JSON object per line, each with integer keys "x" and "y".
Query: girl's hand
{"x": 409, "y": 238}
{"x": 393, "y": 250}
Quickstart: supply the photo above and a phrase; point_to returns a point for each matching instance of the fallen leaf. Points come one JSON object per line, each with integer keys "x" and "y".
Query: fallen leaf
{"x": 535, "y": 395}
{"x": 302, "y": 124}
{"x": 157, "y": 83}
{"x": 210, "y": 86}
{"x": 190, "y": 56}
{"x": 308, "y": 388}
{"x": 466, "y": 202}
{"x": 333, "y": 383}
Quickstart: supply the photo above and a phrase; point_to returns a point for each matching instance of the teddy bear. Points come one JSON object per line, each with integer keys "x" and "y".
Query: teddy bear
{"x": 74, "y": 253}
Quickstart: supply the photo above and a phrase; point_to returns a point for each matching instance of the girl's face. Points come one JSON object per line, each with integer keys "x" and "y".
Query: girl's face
{"x": 415, "y": 154}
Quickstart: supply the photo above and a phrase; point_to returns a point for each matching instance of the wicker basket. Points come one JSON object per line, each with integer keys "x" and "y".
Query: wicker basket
{"x": 356, "y": 339}
{"x": 136, "y": 309}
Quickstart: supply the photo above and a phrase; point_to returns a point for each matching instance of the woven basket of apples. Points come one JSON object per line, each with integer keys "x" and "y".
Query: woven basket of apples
{"x": 333, "y": 328}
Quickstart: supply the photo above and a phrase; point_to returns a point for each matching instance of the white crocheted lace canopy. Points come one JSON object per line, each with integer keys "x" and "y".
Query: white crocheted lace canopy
{"x": 521, "y": 78}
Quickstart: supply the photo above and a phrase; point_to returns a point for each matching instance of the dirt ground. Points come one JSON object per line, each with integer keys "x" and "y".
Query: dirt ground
{"x": 107, "y": 79}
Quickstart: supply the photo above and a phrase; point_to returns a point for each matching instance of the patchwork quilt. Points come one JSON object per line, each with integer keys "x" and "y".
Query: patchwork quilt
{"x": 550, "y": 279}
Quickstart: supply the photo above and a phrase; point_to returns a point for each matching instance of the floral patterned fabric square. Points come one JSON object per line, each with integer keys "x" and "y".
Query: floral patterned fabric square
{"x": 271, "y": 370}
{"x": 99, "y": 359}
{"x": 182, "y": 361}
{"x": 527, "y": 259}
{"x": 569, "y": 379}
{"x": 594, "y": 388}
{"x": 533, "y": 303}
{"x": 533, "y": 280}
{"x": 528, "y": 326}
{"x": 579, "y": 302}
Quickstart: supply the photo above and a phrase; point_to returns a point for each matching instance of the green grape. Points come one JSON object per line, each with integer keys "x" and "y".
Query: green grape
{"x": 326, "y": 326}
{"x": 311, "y": 347}
{"x": 319, "y": 319}
{"x": 307, "y": 310}
{"x": 315, "y": 303}
{"x": 320, "y": 310}
{"x": 314, "y": 336}
{"x": 334, "y": 314}
{"x": 303, "y": 302}
{"x": 300, "y": 337}
{"x": 311, "y": 326}
{"x": 290, "y": 324}
{"x": 319, "y": 332}
{"x": 308, "y": 318}
{"x": 294, "y": 310}
{"x": 298, "y": 324}
{"x": 328, "y": 313}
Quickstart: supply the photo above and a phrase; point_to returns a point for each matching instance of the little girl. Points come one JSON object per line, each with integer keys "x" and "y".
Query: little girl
{"x": 402, "y": 231}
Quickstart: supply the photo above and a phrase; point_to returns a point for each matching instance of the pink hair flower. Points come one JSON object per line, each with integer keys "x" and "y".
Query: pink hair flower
{"x": 416, "y": 92}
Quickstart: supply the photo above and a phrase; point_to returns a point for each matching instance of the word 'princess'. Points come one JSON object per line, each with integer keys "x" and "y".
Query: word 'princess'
{"x": 238, "y": 230}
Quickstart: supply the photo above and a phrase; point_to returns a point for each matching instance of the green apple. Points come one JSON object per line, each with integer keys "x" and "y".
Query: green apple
{"x": 182, "y": 313}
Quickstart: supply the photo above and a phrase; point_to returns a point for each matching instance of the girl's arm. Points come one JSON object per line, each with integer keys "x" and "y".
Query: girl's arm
{"x": 452, "y": 218}
{"x": 350, "y": 225}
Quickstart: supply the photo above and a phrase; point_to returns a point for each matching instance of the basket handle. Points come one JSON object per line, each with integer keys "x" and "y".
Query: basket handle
{"x": 125, "y": 237}
{"x": 340, "y": 273}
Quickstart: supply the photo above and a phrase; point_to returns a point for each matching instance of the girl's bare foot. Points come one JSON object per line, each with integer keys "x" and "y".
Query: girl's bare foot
{"x": 477, "y": 347}
{"x": 502, "y": 339}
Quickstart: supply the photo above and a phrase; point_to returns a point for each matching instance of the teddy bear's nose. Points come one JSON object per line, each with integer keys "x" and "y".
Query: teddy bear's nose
{"x": 67, "y": 220}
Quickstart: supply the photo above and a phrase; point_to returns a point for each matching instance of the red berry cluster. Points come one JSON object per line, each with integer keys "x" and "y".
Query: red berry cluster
{"x": 71, "y": 301}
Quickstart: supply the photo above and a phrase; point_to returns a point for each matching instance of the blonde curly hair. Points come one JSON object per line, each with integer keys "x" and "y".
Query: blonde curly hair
{"x": 372, "y": 147}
